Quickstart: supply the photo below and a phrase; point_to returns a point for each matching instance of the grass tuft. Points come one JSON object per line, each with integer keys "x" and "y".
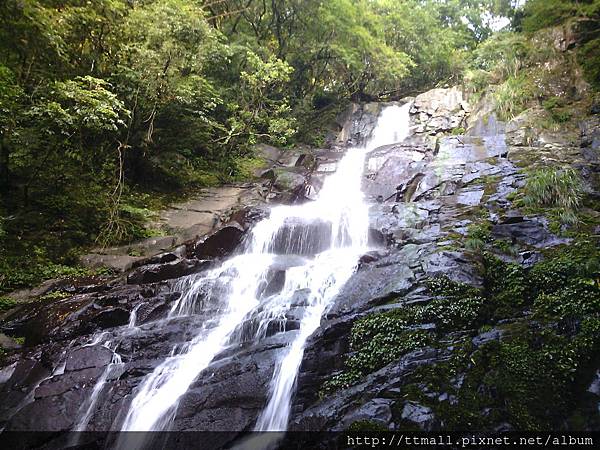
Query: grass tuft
{"x": 562, "y": 189}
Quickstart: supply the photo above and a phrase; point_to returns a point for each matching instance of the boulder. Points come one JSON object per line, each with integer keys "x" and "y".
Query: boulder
{"x": 419, "y": 415}
{"x": 8, "y": 343}
{"x": 439, "y": 110}
{"x": 529, "y": 231}
{"x": 377, "y": 410}
{"x": 219, "y": 243}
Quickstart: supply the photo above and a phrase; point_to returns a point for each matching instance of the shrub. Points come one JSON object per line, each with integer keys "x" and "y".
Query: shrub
{"x": 340, "y": 381}
{"x": 476, "y": 80}
{"x": 454, "y": 314}
{"x": 578, "y": 299}
{"x": 385, "y": 348}
{"x": 477, "y": 236}
{"x": 19, "y": 272}
{"x": 503, "y": 55}
{"x": 377, "y": 340}
{"x": 555, "y": 106}
{"x": 589, "y": 58}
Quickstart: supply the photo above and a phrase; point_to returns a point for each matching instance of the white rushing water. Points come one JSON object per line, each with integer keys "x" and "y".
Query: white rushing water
{"x": 317, "y": 244}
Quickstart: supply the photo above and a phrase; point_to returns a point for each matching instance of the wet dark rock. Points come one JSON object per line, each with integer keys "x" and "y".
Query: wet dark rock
{"x": 332, "y": 412}
{"x": 528, "y": 231}
{"x": 377, "y": 410}
{"x": 112, "y": 317}
{"x": 220, "y": 243}
{"x": 61, "y": 384}
{"x": 273, "y": 284}
{"x": 529, "y": 258}
{"x": 166, "y": 270}
{"x": 371, "y": 256}
{"x": 167, "y": 257}
{"x": 374, "y": 284}
{"x": 454, "y": 265}
{"x": 88, "y": 357}
{"x": 590, "y": 133}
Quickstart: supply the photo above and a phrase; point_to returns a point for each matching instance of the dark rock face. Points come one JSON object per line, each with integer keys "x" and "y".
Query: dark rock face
{"x": 220, "y": 243}
{"x": 168, "y": 270}
{"x": 590, "y": 132}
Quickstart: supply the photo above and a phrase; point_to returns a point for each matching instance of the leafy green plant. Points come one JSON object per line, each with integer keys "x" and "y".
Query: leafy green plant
{"x": 580, "y": 298}
{"x": 7, "y": 303}
{"x": 538, "y": 14}
{"x": 507, "y": 286}
{"x": 478, "y": 235}
{"x": 503, "y": 55}
{"x": 454, "y": 313}
{"x": 476, "y": 81}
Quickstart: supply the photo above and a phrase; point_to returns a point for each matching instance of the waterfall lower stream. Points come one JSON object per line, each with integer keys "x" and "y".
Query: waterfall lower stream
{"x": 315, "y": 245}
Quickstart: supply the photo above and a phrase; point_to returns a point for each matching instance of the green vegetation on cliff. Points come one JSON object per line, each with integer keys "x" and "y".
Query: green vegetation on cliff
{"x": 537, "y": 332}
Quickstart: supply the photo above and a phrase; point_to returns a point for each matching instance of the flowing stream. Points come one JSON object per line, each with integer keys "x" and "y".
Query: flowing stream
{"x": 311, "y": 250}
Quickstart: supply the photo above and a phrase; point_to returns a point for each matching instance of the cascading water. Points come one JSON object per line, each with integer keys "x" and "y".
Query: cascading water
{"x": 333, "y": 267}
{"x": 316, "y": 244}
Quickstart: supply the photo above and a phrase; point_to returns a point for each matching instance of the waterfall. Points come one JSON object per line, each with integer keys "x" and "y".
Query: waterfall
{"x": 333, "y": 267}
{"x": 316, "y": 245}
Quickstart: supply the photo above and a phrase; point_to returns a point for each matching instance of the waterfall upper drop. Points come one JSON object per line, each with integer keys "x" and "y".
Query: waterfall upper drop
{"x": 322, "y": 242}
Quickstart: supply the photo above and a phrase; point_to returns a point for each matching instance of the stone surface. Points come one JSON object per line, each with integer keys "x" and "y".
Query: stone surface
{"x": 439, "y": 110}
{"x": 8, "y": 343}
{"x": 421, "y": 416}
